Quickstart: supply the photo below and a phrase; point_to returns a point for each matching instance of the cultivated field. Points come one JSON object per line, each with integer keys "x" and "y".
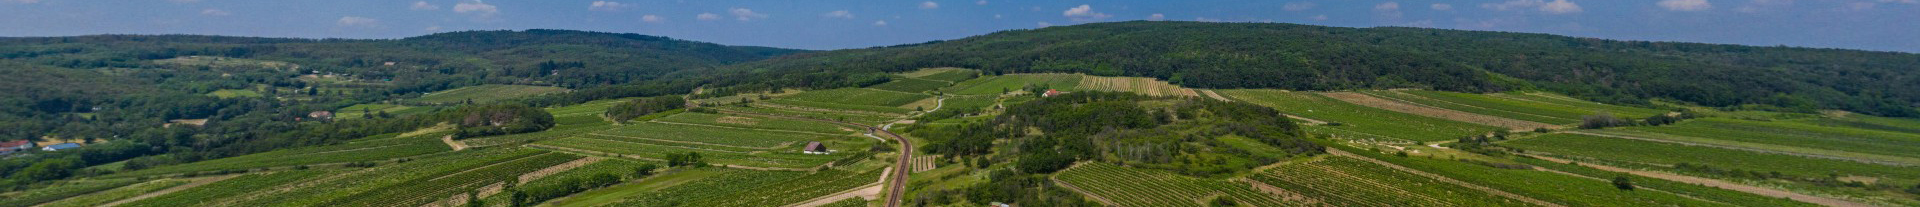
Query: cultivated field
{"x": 1135, "y": 187}
{"x": 1341, "y": 181}
{"x": 484, "y": 93}
{"x": 751, "y": 122}
{"x": 1553, "y": 99}
{"x": 1794, "y": 134}
{"x": 1360, "y": 122}
{"x": 943, "y": 74}
{"x": 1015, "y": 82}
{"x": 1411, "y": 108}
{"x": 859, "y": 96}
{"x": 1628, "y": 152}
{"x": 754, "y": 188}
{"x": 1488, "y": 105}
{"x": 911, "y": 85}
{"x": 367, "y": 149}
{"x": 1146, "y": 86}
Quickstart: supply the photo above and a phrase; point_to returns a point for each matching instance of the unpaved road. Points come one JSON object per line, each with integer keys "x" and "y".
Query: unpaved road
{"x": 1769, "y": 192}
{"x": 901, "y": 164}
{"x": 456, "y": 145}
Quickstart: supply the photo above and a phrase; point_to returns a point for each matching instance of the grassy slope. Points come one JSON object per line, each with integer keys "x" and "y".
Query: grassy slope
{"x": 1359, "y": 120}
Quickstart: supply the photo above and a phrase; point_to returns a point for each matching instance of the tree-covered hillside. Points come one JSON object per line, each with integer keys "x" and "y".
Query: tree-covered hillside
{"x": 1304, "y": 57}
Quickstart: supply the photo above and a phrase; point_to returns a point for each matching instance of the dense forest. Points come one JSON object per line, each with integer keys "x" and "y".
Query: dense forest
{"x": 1305, "y": 57}
{"x": 126, "y": 95}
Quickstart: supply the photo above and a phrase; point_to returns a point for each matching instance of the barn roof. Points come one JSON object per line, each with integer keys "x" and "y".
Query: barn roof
{"x": 816, "y": 147}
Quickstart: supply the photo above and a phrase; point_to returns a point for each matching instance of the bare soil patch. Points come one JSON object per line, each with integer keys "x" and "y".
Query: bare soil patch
{"x": 1377, "y": 102}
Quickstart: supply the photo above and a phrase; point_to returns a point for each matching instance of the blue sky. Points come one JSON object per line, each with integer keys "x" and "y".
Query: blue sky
{"x": 1887, "y": 25}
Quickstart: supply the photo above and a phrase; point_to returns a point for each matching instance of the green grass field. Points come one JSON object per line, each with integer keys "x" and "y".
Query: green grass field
{"x": 1014, "y": 82}
{"x": 835, "y": 107}
{"x": 61, "y": 190}
{"x": 1697, "y": 191}
{"x": 358, "y": 184}
{"x": 116, "y": 194}
{"x": 859, "y": 96}
{"x": 1342, "y": 181}
{"x": 868, "y": 119}
{"x": 360, "y": 110}
{"x": 233, "y": 93}
{"x": 911, "y": 85}
{"x": 210, "y": 194}
{"x": 711, "y": 135}
{"x": 1359, "y": 121}
{"x": 1546, "y": 186}
{"x": 484, "y": 93}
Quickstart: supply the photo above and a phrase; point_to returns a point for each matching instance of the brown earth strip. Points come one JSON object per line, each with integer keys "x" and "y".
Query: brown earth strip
{"x": 457, "y": 146}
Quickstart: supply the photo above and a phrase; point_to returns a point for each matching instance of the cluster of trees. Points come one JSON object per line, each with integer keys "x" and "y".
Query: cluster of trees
{"x": 1304, "y": 57}
{"x": 685, "y": 159}
{"x": 641, "y": 107}
{"x": 498, "y": 119}
{"x": 1176, "y": 134}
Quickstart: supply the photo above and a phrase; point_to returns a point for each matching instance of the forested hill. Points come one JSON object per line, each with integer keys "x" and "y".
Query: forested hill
{"x": 106, "y": 85}
{"x": 1304, "y": 57}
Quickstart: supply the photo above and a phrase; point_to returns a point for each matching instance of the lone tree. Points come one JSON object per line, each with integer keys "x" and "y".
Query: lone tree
{"x": 1622, "y": 182}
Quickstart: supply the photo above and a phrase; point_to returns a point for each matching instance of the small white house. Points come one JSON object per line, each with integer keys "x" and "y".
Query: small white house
{"x": 61, "y": 146}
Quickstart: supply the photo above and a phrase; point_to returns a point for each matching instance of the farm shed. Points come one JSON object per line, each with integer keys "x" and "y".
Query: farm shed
{"x": 815, "y": 148}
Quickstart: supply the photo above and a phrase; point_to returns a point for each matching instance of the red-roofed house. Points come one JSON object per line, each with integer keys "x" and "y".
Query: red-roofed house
{"x": 1050, "y": 93}
{"x": 16, "y": 145}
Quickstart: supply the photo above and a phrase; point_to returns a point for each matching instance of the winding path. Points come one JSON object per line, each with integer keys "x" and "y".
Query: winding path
{"x": 900, "y": 168}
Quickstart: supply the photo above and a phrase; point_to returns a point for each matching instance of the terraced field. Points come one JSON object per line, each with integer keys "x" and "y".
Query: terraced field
{"x": 484, "y": 93}
{"x": 1794, "y": 134}
{"x": 349, "y": 186}
{"x": 374, "y": 149}
{"x": 711, "y": 135}
{"x": 911, "y": 85}
{"x": 1551, "y": 187}
{"x": 206, "y": 195}
{"x": 869, "y": 119}
{"x": 1488, "y": 105}
{"x": 757, "y": 123}
{"x": 116, "y": 194}
{"x": 658, "y": 150}
{"x": 1014, "y": 82}
{"x": 943, "y": 74}
{"x": 429, "y": 189}
{"x": 1357, "y": 121}
{"x": 1422, "y": 110}
{"x": 61, "y": 191}
{"x": 754, "y": 188}
{"x": 1628, "y": 152}
{"x": 1147, "y": 86}
{"x": 834, "y": 108}
{"x": 1341, "y": 181}
{"x": 1552, "y": 99}
{"x": 859, "y": 96}
{"x": 1133, "y": 187}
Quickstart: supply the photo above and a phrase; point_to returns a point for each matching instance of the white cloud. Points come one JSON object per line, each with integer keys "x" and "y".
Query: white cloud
{"x": 652, "y": 18}
{"x": 981, "y": 2}
{"x": 1156, "y": 17}
{"x": 707, "y": 16}
{"x": 353, "y": 21}
{"x": 606, "y": 6}
{"x": 423, "y": 5}
{"x": 1442, "y": 7}
{"x": 929, "y": 5}
{"x": 744, "y": 14}
{"x": 1298, "y": 6}
{"x": 1389, "y": 6}
{"x": 1685, "y": 5}
{"x": 1560, "y": 7}
{"x": 476, "y": 8}
{"x": 843, "y": 14}
{"x": 1322, "y": 17}
{"x": 1044, "y": 24}
{"x": 1554, "y": 7}
{"x": 882, "y": 23}
{"x": 215, "y": 12}
{"x": 21, "y": 1}
{"x": 1084, "y": 13}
